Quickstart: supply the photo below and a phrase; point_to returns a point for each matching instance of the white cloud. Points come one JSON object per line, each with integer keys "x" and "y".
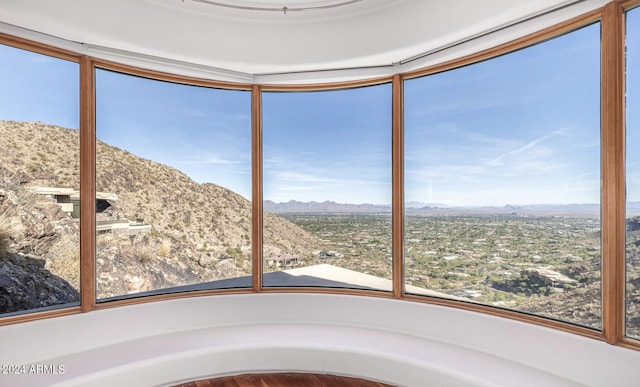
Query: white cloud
{"x": 209, "y": 159}
{"x": 529, "y": 147}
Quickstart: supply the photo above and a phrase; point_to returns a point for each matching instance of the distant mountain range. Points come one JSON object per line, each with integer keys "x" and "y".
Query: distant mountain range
{"x": 294, "y": 206}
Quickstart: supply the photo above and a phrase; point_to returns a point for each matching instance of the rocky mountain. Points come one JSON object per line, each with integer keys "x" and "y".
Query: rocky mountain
{"x": 198, "y": 232}
{"x": 583, "y": 306}
{"x": 26, "y": 284}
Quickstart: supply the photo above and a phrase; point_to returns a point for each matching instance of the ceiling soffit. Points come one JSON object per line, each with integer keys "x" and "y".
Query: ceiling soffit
{"x": 338, "y": 38}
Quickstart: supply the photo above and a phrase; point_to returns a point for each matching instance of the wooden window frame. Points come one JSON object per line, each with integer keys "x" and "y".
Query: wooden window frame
{"x": 612, "y": 19}
{"x": 39, "y": 48}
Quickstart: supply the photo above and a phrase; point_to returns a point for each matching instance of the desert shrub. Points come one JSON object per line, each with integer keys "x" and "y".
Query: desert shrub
{"x": 8, "y": 225}
{"x": 144, "y": 254}
{"x": 104, "y": 239}
{"x": 165, "y": 248}
{"x": 64, "y": 260}
{"x": 138, "y": 252}
{"x": 5, "y": 241}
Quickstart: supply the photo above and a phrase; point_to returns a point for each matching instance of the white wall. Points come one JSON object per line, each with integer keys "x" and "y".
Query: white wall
{"x": 399, "y": 342}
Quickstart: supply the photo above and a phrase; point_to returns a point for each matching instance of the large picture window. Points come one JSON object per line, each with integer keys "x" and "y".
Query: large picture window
{"x": 502, "y": 180}
{"x": 327, "y": 188}
{"x": 173, "y": 185}
{"x": 507, "y": 180}
{"x": 39, "y": 180}
{"x": 633, "y": 173}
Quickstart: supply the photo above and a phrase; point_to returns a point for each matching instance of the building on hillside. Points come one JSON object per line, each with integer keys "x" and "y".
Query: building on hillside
{"x": 330, "y": 254}
{"x": 285, "y": 262}
{"x": 69, "y": 201}
{"x": 61, "y": 196}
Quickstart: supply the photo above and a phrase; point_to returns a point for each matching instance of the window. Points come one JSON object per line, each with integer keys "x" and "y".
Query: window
{"x": 39, "y": 181}
{"x": 633, "y": 173}
{"x": 173, "y": 180}
{"x": 327, "y": 188}
{"x": 502, "y": 181}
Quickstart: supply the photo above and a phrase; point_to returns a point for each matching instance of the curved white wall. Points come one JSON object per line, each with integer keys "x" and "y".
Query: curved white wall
{"x": 398, "y": 342}
{"x": 373, "y": 38}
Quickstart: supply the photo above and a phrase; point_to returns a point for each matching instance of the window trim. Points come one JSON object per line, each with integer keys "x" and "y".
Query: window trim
{"x": 622, "y": 339}
{"x": 612, "y": 18}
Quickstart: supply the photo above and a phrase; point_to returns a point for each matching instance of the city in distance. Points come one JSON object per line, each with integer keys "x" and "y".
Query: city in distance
{"x": 543, "y": 259}
{"x": 573, "y": 209}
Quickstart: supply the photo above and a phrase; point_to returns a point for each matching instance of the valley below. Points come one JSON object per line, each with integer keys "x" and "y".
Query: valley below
{"x": 543, "y": 261}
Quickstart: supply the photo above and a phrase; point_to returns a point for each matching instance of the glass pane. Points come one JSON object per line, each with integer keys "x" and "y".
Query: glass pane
{"x": 39, "y": 180}
{"x": 173, "y": 186}
{"x": 327, "y": 188}
{"x": 502, "y": 181}
{"x": 633, "y": 172}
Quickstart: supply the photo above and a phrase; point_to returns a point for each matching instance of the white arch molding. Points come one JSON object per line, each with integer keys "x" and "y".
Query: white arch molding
{"x": 279, "y": 5}
{"x": 408, "y": 344}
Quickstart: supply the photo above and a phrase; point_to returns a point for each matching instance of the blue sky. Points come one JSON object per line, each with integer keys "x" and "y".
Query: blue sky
{"x": 523, "y": 128}
{"x": 204, "y": 132}
{"x": 333, "y": 145}
{"x": 36, "y": 87}
{"x": 518, "y": 129}
{"x": 633, "y": 105}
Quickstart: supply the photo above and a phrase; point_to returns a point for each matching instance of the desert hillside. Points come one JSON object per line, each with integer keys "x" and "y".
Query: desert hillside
{"x": 199, "y": 232}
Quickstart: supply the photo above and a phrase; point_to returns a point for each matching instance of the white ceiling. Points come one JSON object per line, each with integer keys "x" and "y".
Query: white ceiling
{"x": 231, "y": 43}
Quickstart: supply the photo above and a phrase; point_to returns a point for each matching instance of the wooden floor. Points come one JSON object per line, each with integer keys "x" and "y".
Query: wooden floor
{"x": 284, "y": 380}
